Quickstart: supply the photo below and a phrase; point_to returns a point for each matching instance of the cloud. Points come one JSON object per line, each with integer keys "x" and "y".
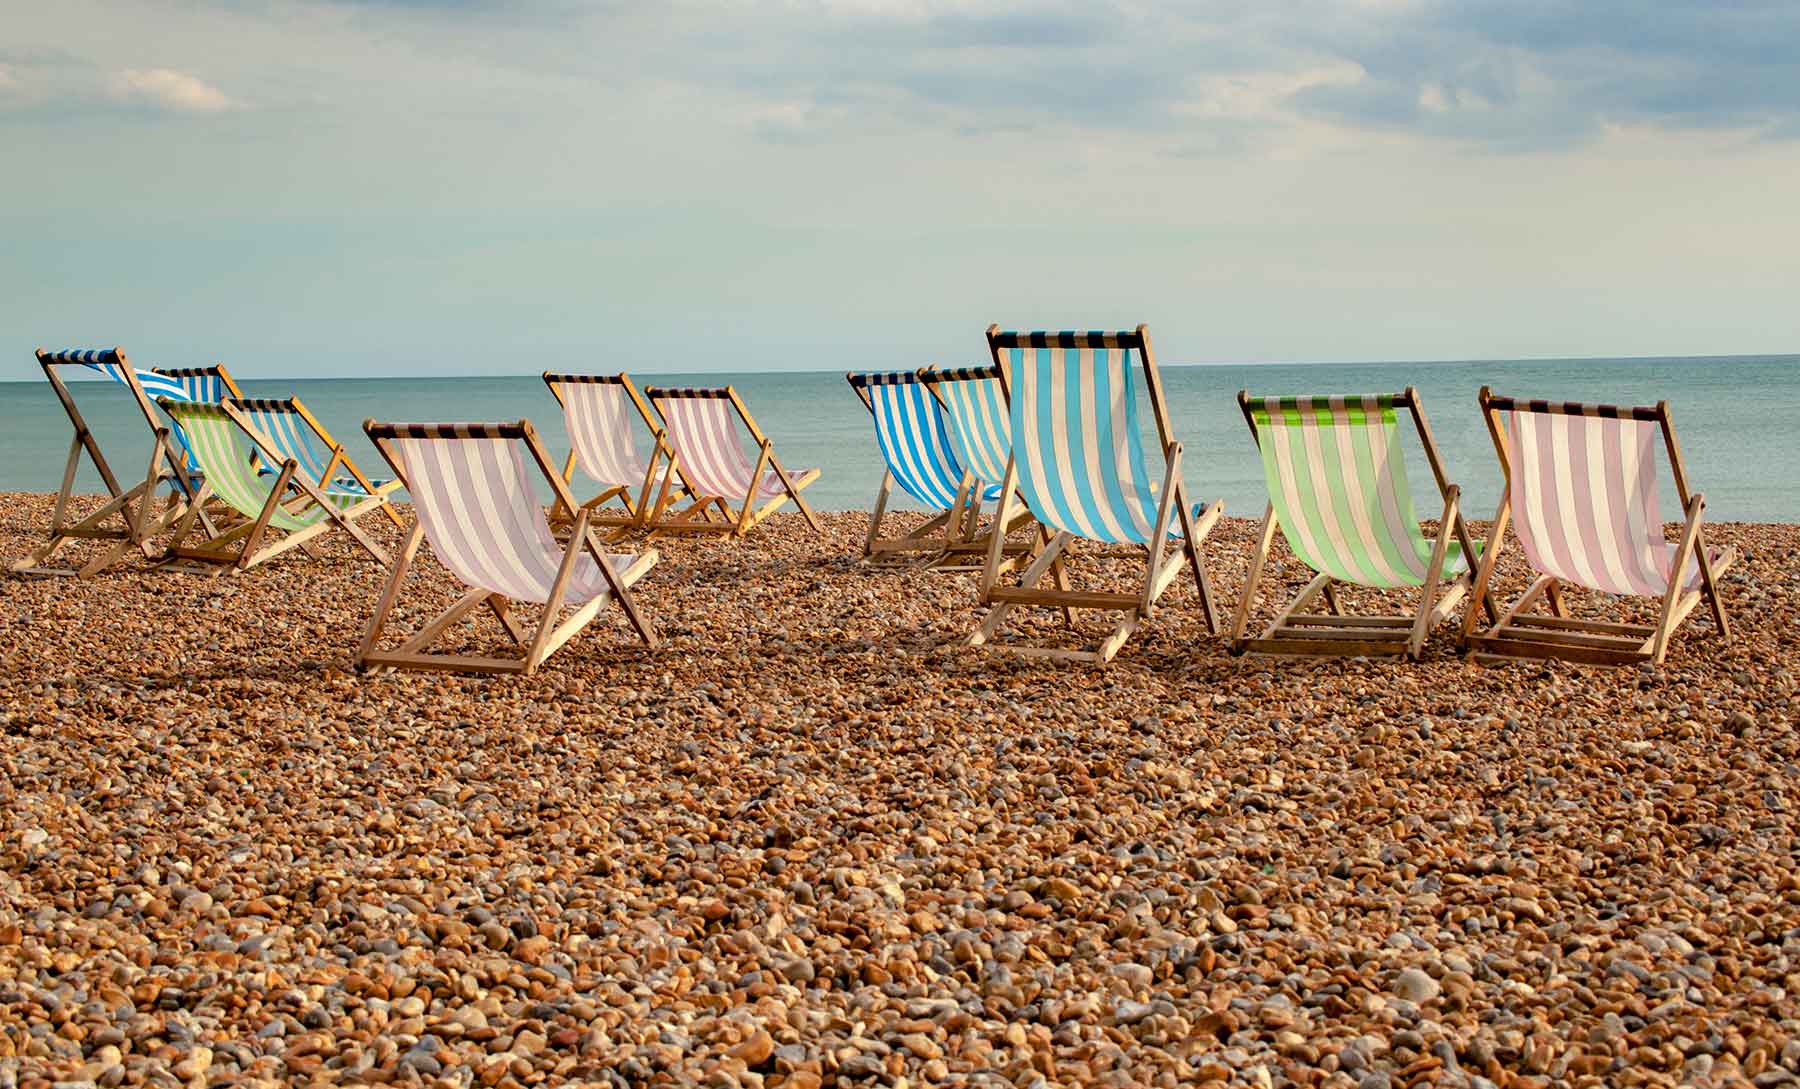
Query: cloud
{"x": 169, "y": 90}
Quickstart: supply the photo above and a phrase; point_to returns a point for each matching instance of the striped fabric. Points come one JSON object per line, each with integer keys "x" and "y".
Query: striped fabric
{"x": 225, "y": 452}
{"x": 600, "y": 418}
{"x": 979, "y": 425}
{"x": 291, "y": 436}
{"x": 154, "y": 385}
{"x": 1075, "y": 438}
{"x": 909, "y": 429}
{"x": 1584, "y": 501}
{"x": 198, "y": 386}
{"x": 484, "y": 522}
{"x": 704, "y": 431}
{"x": 1337, "y": 478}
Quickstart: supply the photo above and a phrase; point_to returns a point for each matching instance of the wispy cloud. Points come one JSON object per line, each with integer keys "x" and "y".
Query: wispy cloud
{"x": 167, "y": 89}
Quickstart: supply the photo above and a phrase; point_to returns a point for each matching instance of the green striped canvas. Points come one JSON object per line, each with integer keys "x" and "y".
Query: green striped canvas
{"x": 224, "y": 453}
{"x": 1337, "y": 479}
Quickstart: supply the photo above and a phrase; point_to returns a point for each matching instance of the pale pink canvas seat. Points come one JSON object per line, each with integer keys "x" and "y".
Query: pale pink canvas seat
{"x": 602, "y": 413}
{"x": 705, "y": 428}
{"x": 1581, "y": 494}
{"x": 477, "y": 506}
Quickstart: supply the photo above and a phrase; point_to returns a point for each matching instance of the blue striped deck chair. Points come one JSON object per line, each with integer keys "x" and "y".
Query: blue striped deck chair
{"x": 126, "y": 521}
{"x": 1338, "y": 494}
{"x": 231, "y": 451}
{"x": 292, "y": 431}
{"x": 1079, "y": 465}
{"x": 915, "y": 449}
{"x": 974, "y": 405}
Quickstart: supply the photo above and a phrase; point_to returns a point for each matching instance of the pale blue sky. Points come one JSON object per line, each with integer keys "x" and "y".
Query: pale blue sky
{"x": 481, "y": 188}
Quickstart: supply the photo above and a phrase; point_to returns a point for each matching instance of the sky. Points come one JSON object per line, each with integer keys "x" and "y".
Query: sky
{"x": 328, "y": 187}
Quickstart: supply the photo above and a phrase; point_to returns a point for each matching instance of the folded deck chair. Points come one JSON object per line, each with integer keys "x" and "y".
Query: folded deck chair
{"x": 1338, "y": 493}
{"x": 915, "y": 448}
{"x": 1581, "y": 496}
{"x": 974, "y": 404}
{"x": 1078, "y": 461}
{"x": 294, "y": 433}
{"x": 475, "y": 503}
{"x": 229, "y": 447}
{"x": 600, "y": 412}
{"x": 127, "y": 519}
{"x": 703, "y": 429}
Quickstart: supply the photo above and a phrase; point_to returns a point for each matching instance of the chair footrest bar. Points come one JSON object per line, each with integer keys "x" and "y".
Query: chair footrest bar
{"x": 1066, "y": 599}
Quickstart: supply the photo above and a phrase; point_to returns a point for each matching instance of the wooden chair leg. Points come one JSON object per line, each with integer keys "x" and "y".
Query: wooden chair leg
{"x": 1415, "y": 643}
{"x": 1490, "y": 554}
{"x": 1265, "y": 541}
{"x": 1659, "y": 643}
{"x": 390, "y": 593}
{"x": 881, "y": 498}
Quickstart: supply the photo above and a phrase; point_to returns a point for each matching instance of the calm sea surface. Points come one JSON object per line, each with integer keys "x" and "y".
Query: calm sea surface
{"x": 1735, "y": 417}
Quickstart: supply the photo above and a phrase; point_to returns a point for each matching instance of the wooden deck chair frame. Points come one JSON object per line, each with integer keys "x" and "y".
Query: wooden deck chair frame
{"x": 968, "y": 546}
{"x": 1173, "y": 503}
{"x": 249, "y": 542}
{"x": 338, "y": 458}
{"x": 714, "y": 513}
{"x": 1296, "y": 632}
{"x": 131, "y": 508}
{"x": 929, "y": 544}
{"x": 549, "y": 635}
{"x": 637, "y": 511}
{"x": 1529, "y": 636}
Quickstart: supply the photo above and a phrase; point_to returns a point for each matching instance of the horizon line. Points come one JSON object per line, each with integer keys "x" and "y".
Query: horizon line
{"x": 1733, "y": 357}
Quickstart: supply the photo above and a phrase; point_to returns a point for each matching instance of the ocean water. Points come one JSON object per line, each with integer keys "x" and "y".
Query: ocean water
{"x": 1735, "y": 417}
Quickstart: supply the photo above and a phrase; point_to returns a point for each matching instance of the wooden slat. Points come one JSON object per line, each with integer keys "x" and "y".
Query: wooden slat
{"x": 1072, "y": 599}
{"x": 1310, "y": 648}
{"x": 1503, "y": 647}
{"x": 450, "y": 663}
{"x": 1564, "y": 623}
{"x": 1318, "y": 620}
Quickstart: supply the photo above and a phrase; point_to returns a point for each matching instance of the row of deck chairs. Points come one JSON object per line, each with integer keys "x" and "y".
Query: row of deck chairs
{"x": 1049, "y": 434}
{"x": 243, "y": 480}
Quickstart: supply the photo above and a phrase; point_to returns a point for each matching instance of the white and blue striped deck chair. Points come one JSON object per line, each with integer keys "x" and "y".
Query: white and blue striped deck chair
{"x": 1079, "y": 465}
{"x": 124, "y": 520}
{"x": 915, "y": 448}
{"x": 974, "y": 404}
{"x": 294, "y": 433}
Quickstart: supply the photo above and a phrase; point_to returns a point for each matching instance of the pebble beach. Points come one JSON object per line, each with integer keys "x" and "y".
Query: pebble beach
{"x": 810, "y": 841}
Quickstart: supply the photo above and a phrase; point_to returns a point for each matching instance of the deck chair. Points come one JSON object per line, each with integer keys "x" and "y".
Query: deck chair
{"x": 703, "y": 430}
{"x": 128, "y": 519}
{"x": 229, "y": 446}
{"x": 1338, "y": 493}
{"x": 600, "y": 412}
{"x": 915, "y": 449}
{"x": 475, "y": 502}
{"x": 1078, "y": 462}
{"x": 973, "y": 400}
{"x": 1581, "y": 496}
{"x": 294, "y": 432}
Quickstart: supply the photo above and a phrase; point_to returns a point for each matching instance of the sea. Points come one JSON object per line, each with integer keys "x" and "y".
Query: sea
{"x": 1737, "y": 418}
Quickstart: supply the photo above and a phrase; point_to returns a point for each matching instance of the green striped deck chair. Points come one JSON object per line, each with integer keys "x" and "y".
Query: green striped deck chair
{"x": 1338, "y": 494}
{"x": 1077, "y": 462}
{"x": 294, "y": 430}
{"x": 231, "y": 452}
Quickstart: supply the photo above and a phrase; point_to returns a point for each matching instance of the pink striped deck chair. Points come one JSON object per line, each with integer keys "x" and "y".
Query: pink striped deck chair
{"x": 1581, "y": 496}
{"x": 600, "y": 412}
{"x": 703, "y": 427}
{"x": 475, "y": 503}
